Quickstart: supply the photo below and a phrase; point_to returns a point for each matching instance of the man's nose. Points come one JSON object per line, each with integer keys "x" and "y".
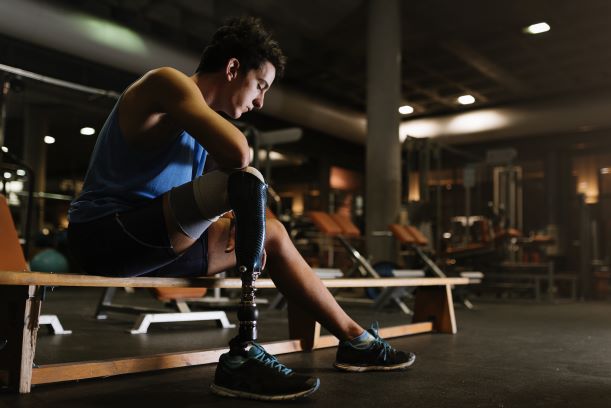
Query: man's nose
{"x": 258, "y": 102}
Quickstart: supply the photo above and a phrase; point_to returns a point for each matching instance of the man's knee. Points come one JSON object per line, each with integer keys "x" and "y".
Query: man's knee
{"x": 275, "y": 234}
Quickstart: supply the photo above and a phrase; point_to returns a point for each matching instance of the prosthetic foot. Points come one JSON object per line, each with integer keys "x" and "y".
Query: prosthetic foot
{"x": 247, "y": 196}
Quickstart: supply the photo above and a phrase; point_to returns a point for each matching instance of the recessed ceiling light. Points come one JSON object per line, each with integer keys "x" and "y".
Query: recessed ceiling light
{"x": 87, "y": 131}
{"x": 49, "y": 139}
{"x": 537, "y": 28}
{"x": 406, "y": 110}
{"x": 7, "y": 175}
{"x": 5, "y": 149}
{"x": 604, "y": 170}
{"x": 466, "y": 99}
{"x": 21, "y": 172}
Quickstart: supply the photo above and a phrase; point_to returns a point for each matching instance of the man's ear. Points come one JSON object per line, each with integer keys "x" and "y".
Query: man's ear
{"x": 232, "y": 68}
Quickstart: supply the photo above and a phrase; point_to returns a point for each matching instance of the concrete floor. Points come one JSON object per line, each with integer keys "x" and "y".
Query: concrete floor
{"x": 504, "y": 355}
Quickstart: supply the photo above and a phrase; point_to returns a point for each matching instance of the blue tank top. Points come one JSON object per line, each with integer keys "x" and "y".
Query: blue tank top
{"x": 121, "y": 177}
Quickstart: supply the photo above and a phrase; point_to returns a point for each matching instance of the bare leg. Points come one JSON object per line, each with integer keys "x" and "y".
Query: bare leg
{"x": 287, "y": 268}
{"x": 291, "y": 274}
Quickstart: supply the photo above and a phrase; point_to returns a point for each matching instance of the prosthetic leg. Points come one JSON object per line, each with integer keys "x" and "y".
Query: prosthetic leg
{"x": 259, "y": 375}
{"x": 247, "y": 197}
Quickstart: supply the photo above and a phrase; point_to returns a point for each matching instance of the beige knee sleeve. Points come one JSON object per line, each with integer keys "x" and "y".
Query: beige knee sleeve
{"x": 210, "y": 191}
{"x": 198, "y": 204}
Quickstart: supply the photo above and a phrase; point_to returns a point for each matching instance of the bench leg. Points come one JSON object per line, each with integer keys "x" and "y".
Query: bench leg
{"x": 105, "y": 300}
{"x": 56, "y": 325}
{"x": 19, "y": 312}
{"x": 303, "y": 327}
{"x": 435, "y": 304}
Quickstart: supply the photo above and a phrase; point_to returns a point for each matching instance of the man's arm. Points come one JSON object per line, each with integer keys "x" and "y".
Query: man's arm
{"x": 166, "y": 90}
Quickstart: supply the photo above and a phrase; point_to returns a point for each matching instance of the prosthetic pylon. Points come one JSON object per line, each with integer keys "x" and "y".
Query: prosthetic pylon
{"x": 247, "y": 197}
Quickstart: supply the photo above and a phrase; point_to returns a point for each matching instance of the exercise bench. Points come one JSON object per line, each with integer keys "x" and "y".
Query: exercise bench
{"x": 21, "y": 300}
{"x": 20, "y": 303}
{"x": 414, "y": 240}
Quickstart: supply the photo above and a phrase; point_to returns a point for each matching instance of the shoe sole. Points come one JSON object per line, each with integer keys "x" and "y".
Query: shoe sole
{"x": 358, "y": 369}
{"x": 228, "y": 392}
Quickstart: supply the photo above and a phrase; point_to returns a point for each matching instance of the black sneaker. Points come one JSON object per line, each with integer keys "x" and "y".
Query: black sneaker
{"x": 379, "y": 356}
{"x": 262, "y": 377}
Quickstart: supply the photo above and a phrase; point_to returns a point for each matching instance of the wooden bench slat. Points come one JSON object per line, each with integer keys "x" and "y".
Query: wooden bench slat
{"x": 50, "y": 373}
{"x": 392, "y": 282}
{"x": 13, "y": 278}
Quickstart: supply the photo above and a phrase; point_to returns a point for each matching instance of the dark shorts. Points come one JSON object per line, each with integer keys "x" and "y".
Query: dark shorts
{"x": 134, "y": 243}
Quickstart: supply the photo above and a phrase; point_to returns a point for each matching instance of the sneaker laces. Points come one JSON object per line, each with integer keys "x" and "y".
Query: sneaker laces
{"x": 257, "y": 352}
{"x": 378, "y": 342}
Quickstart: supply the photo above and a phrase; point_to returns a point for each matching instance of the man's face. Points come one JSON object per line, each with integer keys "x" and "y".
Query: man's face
{"x": 248, "y": 90}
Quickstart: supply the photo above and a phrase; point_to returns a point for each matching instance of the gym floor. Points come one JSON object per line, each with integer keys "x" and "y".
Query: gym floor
{"x": 519, "y": 354}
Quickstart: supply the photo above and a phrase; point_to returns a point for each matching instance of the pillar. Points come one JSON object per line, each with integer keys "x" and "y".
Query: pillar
{"x": 383, "y": 153}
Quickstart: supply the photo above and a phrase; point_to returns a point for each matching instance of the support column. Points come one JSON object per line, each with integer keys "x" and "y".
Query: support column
{"x": 383, "y": 161}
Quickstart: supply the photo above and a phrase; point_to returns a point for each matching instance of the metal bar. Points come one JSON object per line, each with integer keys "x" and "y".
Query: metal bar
{"x": 59, "y": 82}
{"x": 429, "y": 262}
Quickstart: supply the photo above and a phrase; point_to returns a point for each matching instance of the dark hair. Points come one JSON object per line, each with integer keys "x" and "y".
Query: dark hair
{"x": 246, "y": 39}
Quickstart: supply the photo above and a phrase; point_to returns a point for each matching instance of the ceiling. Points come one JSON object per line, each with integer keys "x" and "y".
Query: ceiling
{"x": 449, "y": 48}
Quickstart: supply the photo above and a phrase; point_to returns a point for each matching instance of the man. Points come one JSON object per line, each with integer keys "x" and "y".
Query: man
{"x": 146, "y": 208}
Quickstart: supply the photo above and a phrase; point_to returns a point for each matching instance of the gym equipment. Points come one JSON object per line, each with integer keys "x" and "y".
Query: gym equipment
{"x": 335, "y": 226}
{"x": 415, "y": 241}
{"x": 424, "y": 210}
{"x": 340, "y": 227}
{"x": 49, "y": 260}
{"x": 53, "y": 321}
{"x": 175, "y": 298}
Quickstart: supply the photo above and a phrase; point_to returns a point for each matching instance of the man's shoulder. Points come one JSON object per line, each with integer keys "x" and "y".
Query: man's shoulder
{"x": 159, "y": 83}
{"x": 164, "y": 79}
{"x": 167, "y": 76}
{"x": 165, "y": 72}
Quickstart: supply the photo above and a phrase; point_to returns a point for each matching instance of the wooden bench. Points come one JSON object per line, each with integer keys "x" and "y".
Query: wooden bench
{"x": 20, "y": 304}
{"x": 21, "y": 300}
